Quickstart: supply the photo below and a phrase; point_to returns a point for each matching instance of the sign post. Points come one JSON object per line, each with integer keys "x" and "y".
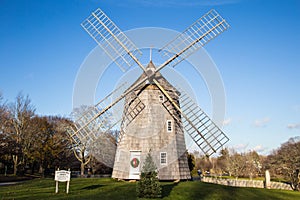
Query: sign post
{"x": 62, "y": 176}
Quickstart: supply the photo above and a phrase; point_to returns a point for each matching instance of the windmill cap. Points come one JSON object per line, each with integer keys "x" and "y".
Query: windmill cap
{"x": 150, "y": 69}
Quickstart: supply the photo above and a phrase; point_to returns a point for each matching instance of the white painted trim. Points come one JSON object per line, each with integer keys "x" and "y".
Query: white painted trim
{"x": 135, "y": 150}
{"x": 134, "y": 172}
{"x": 166, "y": 158}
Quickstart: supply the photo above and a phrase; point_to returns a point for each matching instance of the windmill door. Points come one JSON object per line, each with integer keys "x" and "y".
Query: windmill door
{"x": 135, "y": 161}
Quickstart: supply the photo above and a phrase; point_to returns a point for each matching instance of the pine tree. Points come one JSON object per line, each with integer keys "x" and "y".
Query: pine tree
{"x": 149, "y": 186}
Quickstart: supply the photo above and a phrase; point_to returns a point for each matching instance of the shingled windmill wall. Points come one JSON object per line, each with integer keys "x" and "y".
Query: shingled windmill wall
{"x": 148, "y": 131}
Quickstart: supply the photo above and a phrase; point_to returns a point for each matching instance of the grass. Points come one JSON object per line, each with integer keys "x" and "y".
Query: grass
{"x": 105, "y": 188}
{"x": 11, "y": 178}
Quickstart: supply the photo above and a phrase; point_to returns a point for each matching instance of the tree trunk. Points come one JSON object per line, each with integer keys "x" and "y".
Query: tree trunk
{"x": 15, "y": 169}
{"x": 32, "y": 168}
{"x": 82, "y": 164}
{"x": 83, "y": 161}
{"x": 15, "y": 161}
{"x": 41, "y": 170}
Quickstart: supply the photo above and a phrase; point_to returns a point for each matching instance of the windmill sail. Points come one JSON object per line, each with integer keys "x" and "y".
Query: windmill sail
{"x": 89, "y": 128}
{"x": 197, "y": 35}
{"x": 204, "y": 132}
{"x": 98, "y": 119}
{"x": 133, "y": 107}
{"x": 111, "y": 39}
{"x": 74, "y": 137}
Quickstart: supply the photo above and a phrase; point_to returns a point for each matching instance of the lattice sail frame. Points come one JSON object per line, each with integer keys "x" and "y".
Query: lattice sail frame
{"x": 207, "y": 135}
{"x": 194, "y": 37}
{"x": 133, "y": 106}
{"x": 97, "y": 119}
{"x": 120, "y": 49}
{"x": 111, "y": 39}
{"x": 195, "y": 122}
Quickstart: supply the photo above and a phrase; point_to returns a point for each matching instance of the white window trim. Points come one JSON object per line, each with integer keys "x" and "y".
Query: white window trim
{"x": 165, "y": 158}
{"x": 169, "y": 121}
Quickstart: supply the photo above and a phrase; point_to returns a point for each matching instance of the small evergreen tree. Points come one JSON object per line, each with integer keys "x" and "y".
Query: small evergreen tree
{"x": 149, "y": 186}
{"x": 191, "y": 161}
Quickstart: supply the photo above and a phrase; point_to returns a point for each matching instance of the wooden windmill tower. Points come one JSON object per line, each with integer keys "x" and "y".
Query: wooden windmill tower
{"x": 156, "y": 114}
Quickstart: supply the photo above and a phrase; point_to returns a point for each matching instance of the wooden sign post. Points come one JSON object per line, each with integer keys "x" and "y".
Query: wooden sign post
{"x": 62, "y": 176}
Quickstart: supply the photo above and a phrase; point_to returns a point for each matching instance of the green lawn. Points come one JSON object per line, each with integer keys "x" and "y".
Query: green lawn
{"x": 105, "y": 188}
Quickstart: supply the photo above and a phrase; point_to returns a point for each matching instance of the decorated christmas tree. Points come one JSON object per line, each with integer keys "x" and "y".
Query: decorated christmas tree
{"x": 149, "y": 186}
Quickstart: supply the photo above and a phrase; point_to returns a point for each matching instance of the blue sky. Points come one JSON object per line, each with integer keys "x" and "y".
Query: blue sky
{"x": 42, "y": 46}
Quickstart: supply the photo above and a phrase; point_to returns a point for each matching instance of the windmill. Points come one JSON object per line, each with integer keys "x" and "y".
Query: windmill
{"x": 155, "y": 114}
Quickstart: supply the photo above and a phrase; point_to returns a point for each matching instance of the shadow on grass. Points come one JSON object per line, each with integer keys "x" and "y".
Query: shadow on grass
{"x": 92, "y": 187}
{"x": 167, "y": 189}
{"x": 11, "y": 178}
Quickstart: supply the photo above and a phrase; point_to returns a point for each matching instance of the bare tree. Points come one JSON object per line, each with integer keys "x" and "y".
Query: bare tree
{"x": 5, "y": 140}
{"x": 254, "y": 164}
{"x": 82, "y": 156}
{"x": 79, "y": 148}
{"x": 223, "y": 161}
{"x": 4, "y": 115}
{"x": 61, "y": 146}
{"x": 237, "y": 164}
{"x": 33, "y": 142}
{"x": 21, "y": 112}
{"x": 103, "y": 145}
{"x": 285, "y": 162}
{"x": 203, "y": 162}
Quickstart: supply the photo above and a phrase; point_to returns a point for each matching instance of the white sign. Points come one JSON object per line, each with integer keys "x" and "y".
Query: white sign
{"x": 62, "y": 175}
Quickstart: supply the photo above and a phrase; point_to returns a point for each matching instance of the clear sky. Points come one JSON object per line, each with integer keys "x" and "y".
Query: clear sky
{"x": 42, "y": 46}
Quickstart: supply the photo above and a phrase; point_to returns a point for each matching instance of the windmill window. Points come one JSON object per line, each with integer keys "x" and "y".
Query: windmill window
{"x": 161, "y": 98}
{"x": 163, "y": 158}
{"x": 169, "y": 126}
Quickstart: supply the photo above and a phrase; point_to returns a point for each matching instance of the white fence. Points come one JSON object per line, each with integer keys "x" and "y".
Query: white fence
{"x": 245, "y": 183}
